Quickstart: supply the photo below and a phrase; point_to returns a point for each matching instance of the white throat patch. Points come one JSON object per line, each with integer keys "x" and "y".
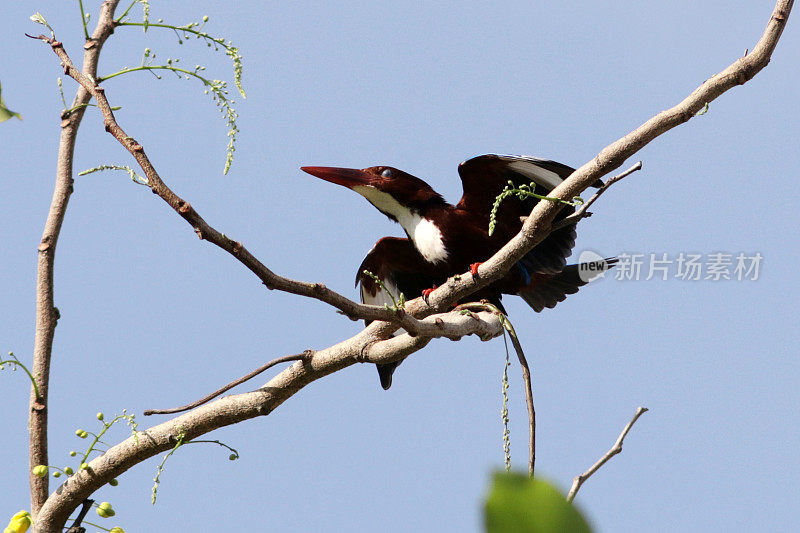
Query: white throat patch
{"x": 423, "y": 232}
{"x": 427, "y": 238}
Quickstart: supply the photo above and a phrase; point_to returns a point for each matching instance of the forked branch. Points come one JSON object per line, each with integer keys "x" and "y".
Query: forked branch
{"x": 583, "y": 211}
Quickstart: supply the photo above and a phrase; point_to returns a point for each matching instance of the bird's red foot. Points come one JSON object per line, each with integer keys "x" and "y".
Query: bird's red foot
{"x": 473, "y": 268}
{"x": 427, "y": 292}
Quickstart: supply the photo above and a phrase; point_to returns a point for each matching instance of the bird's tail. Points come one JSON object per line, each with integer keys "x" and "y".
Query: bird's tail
{"x": 546, "y": 290}
{"x": 385, "y": 371}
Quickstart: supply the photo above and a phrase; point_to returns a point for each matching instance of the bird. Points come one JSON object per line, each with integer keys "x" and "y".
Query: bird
{"x": 443, "y": 240}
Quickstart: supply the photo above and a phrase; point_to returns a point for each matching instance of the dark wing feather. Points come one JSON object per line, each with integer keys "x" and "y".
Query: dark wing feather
{"x": 546, "y": 290}
{"x": 398, "y": 264}
{"x": 484, "y": 178}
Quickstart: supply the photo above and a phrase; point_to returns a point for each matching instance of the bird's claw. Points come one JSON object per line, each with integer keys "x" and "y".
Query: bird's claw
{"x": 426, "y": 293}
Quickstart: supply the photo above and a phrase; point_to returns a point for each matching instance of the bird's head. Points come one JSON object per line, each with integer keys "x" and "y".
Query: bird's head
{"x": 393, "y": 192}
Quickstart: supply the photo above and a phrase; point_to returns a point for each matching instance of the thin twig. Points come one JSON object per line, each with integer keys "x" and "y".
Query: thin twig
{"x": 615, "y": 449}
{"x": 285, "y": 359}
{"x": 526, "y": 374}
{"x": 526, "y": 377}
{"x": 76, "y": 524}
{"x": 582, "y": 211}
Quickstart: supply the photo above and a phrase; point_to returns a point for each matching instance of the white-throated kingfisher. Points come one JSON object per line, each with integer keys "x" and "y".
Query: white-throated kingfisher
{"x": 445, "y": 239}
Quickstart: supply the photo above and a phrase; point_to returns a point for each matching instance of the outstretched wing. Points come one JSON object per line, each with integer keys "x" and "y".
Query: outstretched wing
{"x": 484, "y": 178}
{"x": 401, "y": 270}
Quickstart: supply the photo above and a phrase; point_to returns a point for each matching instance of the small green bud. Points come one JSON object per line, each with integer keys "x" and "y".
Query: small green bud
{"x": 113, "y": 482}
{"x": 56, "y": 474}
{"x": 73, "y": 453}
{"x": 117, "y": 529}
{"x": 84, "y": 466}
{"x": 79, "y": 432}
{"x": 105, "y": 510}
{"x": 100, "y": 416}
{"x": 68, "y": 470}
{"x": 205, "y": 18}
{"x": 40, "y": 470}
{"x": 233, "y": 457}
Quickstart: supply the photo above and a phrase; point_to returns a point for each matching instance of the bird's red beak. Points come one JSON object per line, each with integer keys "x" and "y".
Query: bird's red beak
{"x": 347, "y": 177}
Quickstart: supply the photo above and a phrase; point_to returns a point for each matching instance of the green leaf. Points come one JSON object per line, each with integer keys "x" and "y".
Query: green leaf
{"x": 6, "y": 113}
{"x": 519, "y": 504}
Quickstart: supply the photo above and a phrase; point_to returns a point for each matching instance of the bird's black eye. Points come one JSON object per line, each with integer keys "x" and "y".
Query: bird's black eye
{"x": 386, "y": 173}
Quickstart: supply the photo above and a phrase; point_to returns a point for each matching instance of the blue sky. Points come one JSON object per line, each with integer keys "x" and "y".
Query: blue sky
{"x": 152, "y": 317}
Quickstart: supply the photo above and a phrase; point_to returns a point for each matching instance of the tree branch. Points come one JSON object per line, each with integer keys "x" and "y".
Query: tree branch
{"x": 539, "y": 223}
{"x": 615, "y": 449}
{"x": 46, "y": 313}
{"x": 434, "y": 327}
{"x": 362, "y": 348}
{"x": 203, "y": 230}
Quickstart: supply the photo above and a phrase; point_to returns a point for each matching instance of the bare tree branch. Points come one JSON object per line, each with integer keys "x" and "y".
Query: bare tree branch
{"x": 46, "y": 312}
{"x": 364, "y": 347}
{"x": 203, "y": 230}
{"x": 615, "y": 449}
{"x": 539, "y": 224}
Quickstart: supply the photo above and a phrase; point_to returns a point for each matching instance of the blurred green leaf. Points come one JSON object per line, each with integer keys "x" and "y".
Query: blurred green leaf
{"x": 6, "y": 113}
{"x": 519, "y": 504}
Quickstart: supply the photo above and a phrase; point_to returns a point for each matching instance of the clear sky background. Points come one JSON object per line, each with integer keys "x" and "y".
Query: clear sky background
{"x": 153, "y": 318}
